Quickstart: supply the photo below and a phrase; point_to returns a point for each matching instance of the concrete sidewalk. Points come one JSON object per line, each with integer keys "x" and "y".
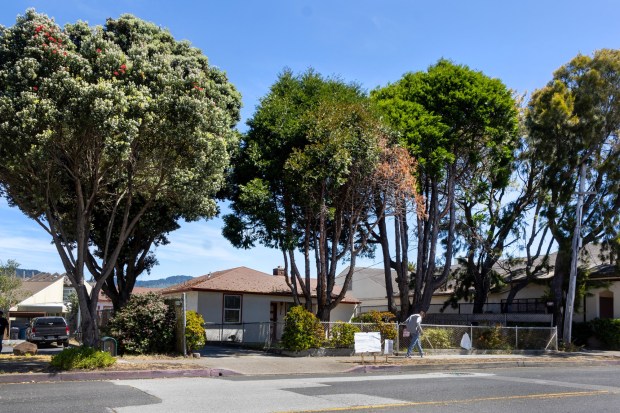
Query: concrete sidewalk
{"x": 218, "y": 361}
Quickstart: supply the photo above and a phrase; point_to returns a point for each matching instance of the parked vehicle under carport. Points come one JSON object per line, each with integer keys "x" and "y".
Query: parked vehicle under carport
{"x": 45, "y": 330}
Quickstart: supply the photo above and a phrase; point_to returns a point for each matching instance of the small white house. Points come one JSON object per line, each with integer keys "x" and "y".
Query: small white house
{"x": 242, "y": 304}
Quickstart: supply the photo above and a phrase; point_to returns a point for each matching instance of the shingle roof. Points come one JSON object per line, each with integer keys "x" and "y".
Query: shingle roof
{"x": 135, "y": 290}
{"x": 243, "y": 280}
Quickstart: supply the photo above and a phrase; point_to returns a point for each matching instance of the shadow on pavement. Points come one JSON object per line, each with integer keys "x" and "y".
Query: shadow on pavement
{"x": 215, "y": 351}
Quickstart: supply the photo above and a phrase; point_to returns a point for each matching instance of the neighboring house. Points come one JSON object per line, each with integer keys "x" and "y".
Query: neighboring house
{"x": 368, "y": 285}
{"x": 43, "y": 294}
{"x": 105, "y": 303}
{"x": 243, "y": 301}
{"x": 602, "y": 299}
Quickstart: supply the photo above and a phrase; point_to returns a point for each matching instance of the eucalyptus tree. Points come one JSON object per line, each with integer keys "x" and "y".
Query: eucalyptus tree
{"x": 574, "y": 122}
{"x": 113, "y": 120}
{"x": 304, "y": 179}
{"x": 461, "y": 126}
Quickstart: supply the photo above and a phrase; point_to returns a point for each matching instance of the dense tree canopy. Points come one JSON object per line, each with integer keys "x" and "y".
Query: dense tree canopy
{"x": 461, "y": 126}
{"x": 575, "y": 121}
{"x": 305, "y": 176}
{"x": 111, "y": 121}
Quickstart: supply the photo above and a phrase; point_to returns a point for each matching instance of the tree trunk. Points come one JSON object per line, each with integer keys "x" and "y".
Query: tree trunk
{"x": 88, "y": 315}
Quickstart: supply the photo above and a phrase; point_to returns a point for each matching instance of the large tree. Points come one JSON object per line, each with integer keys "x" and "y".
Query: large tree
{"x": 305, "y": 177}
{"x": 461, "y": 126}
{"x": 9, "y": 285}
{"x": 574, "y": 121}
{"x": 113, "y": 120}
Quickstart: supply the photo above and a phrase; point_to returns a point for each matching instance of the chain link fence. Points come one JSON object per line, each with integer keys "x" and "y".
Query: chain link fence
{"x": 436, "y": 337}
{"x": 498, "y": 337}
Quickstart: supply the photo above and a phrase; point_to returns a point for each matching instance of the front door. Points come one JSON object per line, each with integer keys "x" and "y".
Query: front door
{"x": 606, "y": 307}
{"x": 273, "y": 318}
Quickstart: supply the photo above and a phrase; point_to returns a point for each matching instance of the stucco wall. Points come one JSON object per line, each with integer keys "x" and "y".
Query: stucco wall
{"x": 592, "y": 307}
{"x": 344, "y": 312}
{"x": 209, "y": 305}
{"x": 51, "y": 294}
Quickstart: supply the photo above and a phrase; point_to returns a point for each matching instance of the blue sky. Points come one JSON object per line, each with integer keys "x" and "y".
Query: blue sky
{"x": 367, "y": 41}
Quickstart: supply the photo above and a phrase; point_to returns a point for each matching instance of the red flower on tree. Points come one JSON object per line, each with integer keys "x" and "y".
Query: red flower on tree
{"x": 35, "y": 88}
{"x": 98, "y": 50}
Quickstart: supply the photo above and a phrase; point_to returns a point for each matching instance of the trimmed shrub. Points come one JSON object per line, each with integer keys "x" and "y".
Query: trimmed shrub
{"x": 381, "y": 322}
{"x": 302, "y": 330}
{"x": 81, "y": 358}
{"x": 437, "y": 337}
{"x": 607, "y": 331}
{"x": 343, "y": 335}
{"x": 195, "y": 336}
{"x": 492, "y": 339}
{"x": 146, "y": 325}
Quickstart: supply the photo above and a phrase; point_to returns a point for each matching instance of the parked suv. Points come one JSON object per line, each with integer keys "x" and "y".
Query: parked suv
{"x": 44, "y": 330}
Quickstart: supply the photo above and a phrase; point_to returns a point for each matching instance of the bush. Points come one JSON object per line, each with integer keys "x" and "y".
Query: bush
{"x": 607, "y": 331}
{"x": 437, "y": 337}
{"x": 581, "y": 332}
{"x": 302, "y": 330}
{"x": 343, "y": 335}
{"x": 492, "y": 339}
{"x": 195, "y": 337}
{"x": 381, "y": 322}
{"x": 81, "y": 358}
{"x": 146, "y": 325}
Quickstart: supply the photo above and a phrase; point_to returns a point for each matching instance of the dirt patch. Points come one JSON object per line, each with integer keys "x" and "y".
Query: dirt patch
{"x": 11, "y": 364}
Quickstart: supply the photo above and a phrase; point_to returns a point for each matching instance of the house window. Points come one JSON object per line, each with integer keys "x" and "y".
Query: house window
{"x": 232, "y": 309}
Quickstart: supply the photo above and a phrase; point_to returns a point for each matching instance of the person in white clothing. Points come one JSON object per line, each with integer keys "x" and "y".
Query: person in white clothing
{"x": 414, "y": 325}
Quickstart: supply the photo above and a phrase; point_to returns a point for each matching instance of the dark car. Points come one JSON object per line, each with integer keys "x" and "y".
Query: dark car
{"x": 45, "y": 330}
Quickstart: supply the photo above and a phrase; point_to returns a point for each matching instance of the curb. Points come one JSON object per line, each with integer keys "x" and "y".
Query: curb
{"x": 479, "y": 366}
{"x": 113, "y": 375}
{"x": 218, "y": 372}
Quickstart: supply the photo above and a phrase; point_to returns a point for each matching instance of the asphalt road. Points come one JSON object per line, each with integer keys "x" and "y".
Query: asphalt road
{"x": 527, "y": 390}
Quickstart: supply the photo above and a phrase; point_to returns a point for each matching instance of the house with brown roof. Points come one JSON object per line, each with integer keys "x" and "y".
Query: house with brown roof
{"x": 242, "y": 304}
{"x": 601, "y": 301}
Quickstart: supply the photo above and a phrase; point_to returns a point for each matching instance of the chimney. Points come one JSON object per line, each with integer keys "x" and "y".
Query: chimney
{"x": 278, "y": 271}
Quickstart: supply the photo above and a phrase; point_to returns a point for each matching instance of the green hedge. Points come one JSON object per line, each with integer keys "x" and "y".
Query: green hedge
{"x": 302, "y": 330}
{"x": 342, "y": 335}
{"x": 607, "y": 331}
{"x": 195, "y": 336}
{"x": 81, "y": 358}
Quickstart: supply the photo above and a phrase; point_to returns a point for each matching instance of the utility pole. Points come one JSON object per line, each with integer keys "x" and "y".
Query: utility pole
{"x": 576, "y": 244}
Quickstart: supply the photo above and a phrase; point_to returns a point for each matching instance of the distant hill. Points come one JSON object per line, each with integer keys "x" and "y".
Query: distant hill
{"x": 22, "y": 273}
{"x": 163, "y": 282}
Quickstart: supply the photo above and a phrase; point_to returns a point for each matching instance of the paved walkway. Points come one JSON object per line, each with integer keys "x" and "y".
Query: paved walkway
{"x": 225, "y": 361}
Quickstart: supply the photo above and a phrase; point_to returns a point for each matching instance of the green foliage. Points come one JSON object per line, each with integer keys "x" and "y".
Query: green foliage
{"x": 9, "y": 285}
{"x": 492, "y": 338}
{"x": 437, "y": 337}
{"x": 574, "y": 121}
{"x": 119, "y": 122}
{"x": 195, "y": 337}
{"x": 81, "y": 358}
{"x": 304, "y": 175}
{"x": 146, "y": 325}
{"x": 382, "y": 322}
{"x": 581, "y": 332}
{"x": 343, "y": 335}
{"x": 302, "y": 330}
{"x": 607, "y": 330}
{"x": 462, "y": 128}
